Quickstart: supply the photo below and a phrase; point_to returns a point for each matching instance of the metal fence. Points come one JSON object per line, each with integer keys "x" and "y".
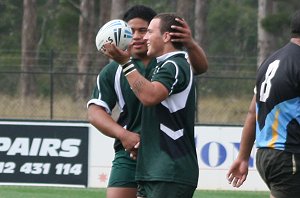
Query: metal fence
{"x": 223, "y": 93}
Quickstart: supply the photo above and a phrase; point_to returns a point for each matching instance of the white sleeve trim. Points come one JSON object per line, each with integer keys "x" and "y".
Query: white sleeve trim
{"x": 100, "y": 103}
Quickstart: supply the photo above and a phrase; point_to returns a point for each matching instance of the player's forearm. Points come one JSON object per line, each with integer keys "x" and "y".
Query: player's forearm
{"x": 248, "y": 133}
{"x": 149, "y": 93}
{"x": 141, "y": 87}
{"x": 197, "y": 58}
{"x": 100, "y": 119}
{"x": 247, "y": 141}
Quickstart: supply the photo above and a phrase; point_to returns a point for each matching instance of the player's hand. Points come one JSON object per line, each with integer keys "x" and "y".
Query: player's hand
{"x": 116, "y": 54}
{"x": 129, "y": 140}
{"x": 134, "y": 151}
{"x": 183, "y": 35}
{"x": 237, "y": 173}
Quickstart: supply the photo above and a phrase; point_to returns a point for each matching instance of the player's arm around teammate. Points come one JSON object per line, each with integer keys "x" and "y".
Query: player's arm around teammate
{"x": 196, "y": 54}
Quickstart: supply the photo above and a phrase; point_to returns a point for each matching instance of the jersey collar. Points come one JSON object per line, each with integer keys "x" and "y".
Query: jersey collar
{"x": 167, "y": 55}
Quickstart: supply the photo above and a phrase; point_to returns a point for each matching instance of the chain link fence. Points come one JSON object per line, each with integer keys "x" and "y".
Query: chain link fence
{"x": 224, "y": 92}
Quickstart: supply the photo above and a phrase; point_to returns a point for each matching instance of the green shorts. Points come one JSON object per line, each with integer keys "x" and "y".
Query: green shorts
{"x": 123, "y": 171}
{"x": 280, "y": 170}
{"x": 159, "y": 189}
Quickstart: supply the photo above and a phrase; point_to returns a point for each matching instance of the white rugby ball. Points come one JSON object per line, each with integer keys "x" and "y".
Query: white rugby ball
{"x": 115, "y": 31}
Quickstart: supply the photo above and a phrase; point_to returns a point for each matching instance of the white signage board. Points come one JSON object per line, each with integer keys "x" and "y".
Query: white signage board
{"x": 217, "y": 147}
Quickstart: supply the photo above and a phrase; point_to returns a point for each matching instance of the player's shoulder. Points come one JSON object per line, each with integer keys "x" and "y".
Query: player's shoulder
{"x": 179, "y": 58}
{"x": 108, "y": 71}
{"x": 110, "y": 68}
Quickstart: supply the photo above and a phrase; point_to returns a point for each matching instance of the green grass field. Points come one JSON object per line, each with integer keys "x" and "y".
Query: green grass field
{"x": 58, "y": 192}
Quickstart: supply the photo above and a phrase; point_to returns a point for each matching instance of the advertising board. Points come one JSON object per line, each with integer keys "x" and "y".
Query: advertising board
{"x": 45, "y": 154}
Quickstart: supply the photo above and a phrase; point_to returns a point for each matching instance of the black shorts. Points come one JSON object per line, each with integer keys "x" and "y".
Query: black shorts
{"x": 281, "y": 172}
{"x": 161, "y": 189}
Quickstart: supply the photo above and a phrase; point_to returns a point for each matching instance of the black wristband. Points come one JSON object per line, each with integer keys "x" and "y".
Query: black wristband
{"x": 129, "y": 71}
{"x": 126, "y": 64}
{"x": 128, "y": 68}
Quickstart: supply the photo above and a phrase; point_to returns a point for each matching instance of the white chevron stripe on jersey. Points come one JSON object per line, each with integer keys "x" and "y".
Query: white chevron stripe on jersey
{"x": 172, "y": 134}
{"x": 178, "y": 101}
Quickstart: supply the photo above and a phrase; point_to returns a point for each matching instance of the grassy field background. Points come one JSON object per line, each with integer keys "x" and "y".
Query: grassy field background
{"x": 59, "y": 192}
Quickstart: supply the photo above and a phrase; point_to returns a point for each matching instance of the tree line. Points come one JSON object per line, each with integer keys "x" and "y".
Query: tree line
{"x": 227, "y": 28}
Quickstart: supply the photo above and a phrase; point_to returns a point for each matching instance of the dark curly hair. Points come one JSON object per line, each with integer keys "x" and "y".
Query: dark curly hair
{"x": 139, "y": 11}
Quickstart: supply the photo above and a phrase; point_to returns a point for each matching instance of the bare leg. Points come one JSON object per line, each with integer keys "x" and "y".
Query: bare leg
{"x": 121, "y": 192}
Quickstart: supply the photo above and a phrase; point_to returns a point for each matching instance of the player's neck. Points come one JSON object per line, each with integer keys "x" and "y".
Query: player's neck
{"x": 145, "y": 59}
{"x": 296, "y": 41}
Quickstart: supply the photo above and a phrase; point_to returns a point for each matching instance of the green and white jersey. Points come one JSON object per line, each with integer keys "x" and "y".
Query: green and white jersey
{"x": 112, "y": 88}
{"x": 167, "y": 151}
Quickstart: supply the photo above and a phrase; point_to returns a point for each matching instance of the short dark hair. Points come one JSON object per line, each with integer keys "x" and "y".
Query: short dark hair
{"x": 139, "y": 11}
{"x": 166, "y": 21}
{"x": 295, "y": 25}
